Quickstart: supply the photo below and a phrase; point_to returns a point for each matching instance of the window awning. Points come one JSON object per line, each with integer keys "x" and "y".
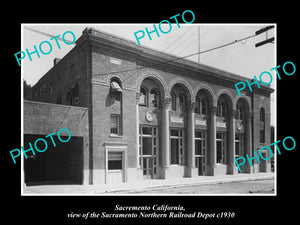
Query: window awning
{"x": 115, "y": 87}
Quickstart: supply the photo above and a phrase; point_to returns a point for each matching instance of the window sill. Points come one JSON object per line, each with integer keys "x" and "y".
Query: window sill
{"x": 115, "y": 136}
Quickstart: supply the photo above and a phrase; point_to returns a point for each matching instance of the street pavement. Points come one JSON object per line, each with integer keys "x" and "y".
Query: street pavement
{"x": 158, "y": 186}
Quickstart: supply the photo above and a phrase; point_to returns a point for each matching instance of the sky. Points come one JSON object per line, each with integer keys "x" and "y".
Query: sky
{"x": 241, "y": 58}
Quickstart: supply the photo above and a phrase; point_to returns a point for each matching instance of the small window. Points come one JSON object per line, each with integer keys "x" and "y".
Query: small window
{"x": 73, "y": 95}
{"x": 174, "y": 133}
{"x": 114, "y": 160}
{"x": 147, "y": 130}
{"x": 115, "y": 124}
{"x": 198, "y": 134}
{"x": 143, "y": 97}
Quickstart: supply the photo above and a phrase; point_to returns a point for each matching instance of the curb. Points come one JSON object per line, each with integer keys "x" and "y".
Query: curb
{"x": 190, "y": 184}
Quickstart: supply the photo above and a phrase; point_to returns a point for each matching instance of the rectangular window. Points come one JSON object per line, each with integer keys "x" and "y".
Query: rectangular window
{"x": 147, "y": 145}
{"x": 115, "y": 124}
{"x": 115, "y": 161}
{"x": 147, "y": 130}
{"x": 73, "y": 95}
{"x": 177, "y": 146}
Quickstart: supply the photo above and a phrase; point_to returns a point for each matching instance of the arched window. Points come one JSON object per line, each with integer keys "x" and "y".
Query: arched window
{"x": 143, "y": 97}
{"x": 154, "y": 98}
{"x": 173, "y": 101}
{"x": 198, "y": 107}
{"x": 203, "y": 106}
{"x": 221, "y": 109}
{"x": 181, "y": 107}
{"x": 240, "y": 112}
{"x": 116, "y": 120}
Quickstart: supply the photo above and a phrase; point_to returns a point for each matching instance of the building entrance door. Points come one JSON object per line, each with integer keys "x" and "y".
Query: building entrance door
{"x": 200, "y": 151}
{"x": 149, "y": 151}
{"x": 221, "y": 148}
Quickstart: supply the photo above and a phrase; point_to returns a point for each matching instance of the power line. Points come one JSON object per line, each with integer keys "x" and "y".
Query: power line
{"x": 46, "y": 34}
{"x": 177, "y": 58}
{"x": 172, "y": 43}
{"x": 191, "y": 35}
{"x": 199, "y": 38}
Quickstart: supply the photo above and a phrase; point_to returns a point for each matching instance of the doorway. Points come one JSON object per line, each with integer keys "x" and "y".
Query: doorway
{"x": 200, "y": 151}
{"x": 149, "y": 151}
{"x": 263, "y": 163}
{"x": 221, "y": 148}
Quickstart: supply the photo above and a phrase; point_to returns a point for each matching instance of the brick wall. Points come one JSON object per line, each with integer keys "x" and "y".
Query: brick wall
{"x": 62, "y": 77}
{"x": 44, "y": 118}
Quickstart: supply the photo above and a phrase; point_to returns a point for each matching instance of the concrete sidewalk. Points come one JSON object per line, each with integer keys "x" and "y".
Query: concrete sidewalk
{"x": 113, "y": 189}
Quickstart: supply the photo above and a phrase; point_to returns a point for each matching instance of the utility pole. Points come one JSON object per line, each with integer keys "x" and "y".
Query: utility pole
{"x": 199, "y": 44}
{"x": 270, "y": 40}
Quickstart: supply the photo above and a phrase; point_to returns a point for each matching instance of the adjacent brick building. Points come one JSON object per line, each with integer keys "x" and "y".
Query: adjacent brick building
{"x": 152, "y": 116}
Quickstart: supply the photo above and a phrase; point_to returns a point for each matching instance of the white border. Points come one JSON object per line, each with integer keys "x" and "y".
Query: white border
{"x": 91, "y": 25}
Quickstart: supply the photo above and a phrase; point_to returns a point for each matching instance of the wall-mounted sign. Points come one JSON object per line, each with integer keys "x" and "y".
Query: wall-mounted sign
{"x": 221, "y": 124}
{"x": 200, "y": 122}
{"x": 176, "y": 119}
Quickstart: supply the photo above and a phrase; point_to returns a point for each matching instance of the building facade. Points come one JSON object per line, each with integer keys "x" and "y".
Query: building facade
{"x": 154, "y": 116}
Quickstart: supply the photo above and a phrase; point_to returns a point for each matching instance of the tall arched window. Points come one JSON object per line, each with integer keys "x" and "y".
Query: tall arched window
{"x": 154, "y": 98}
{"x": 198, "y": 105}
{"x": 173, "y": 101}
{"x": 115, "y": 107}
{"x": 143, "y": 97}
{"x": 201, "y": 105}
{"x": 221, "y": 109}
{"x": 204, "y": 106}
{"x": 262, "y": 126}
{"x": 181, "y": 102}
{"x": 240, "y": 112}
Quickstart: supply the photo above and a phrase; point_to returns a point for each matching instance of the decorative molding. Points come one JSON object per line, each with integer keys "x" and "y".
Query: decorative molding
{"x": 166, "y": 103}
{"x": 138, "y": 96}
{"x": 192, "y": 105}
{"x": 213, "y": 110}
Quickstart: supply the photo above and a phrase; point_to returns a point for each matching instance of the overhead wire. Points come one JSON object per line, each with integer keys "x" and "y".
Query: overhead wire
{"x": 196, "y": 40}
{"x": 49, "y": 35}
{"x": 164, "y": 62}
{"x": 177, "y": 58}
{"x": 173, "y": 42}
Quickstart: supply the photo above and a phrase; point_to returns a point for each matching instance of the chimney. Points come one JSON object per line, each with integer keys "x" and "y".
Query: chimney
{"x": 55, "y": 61}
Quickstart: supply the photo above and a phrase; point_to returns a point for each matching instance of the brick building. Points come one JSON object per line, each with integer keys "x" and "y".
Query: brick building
{"x": 153, "y": 117}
